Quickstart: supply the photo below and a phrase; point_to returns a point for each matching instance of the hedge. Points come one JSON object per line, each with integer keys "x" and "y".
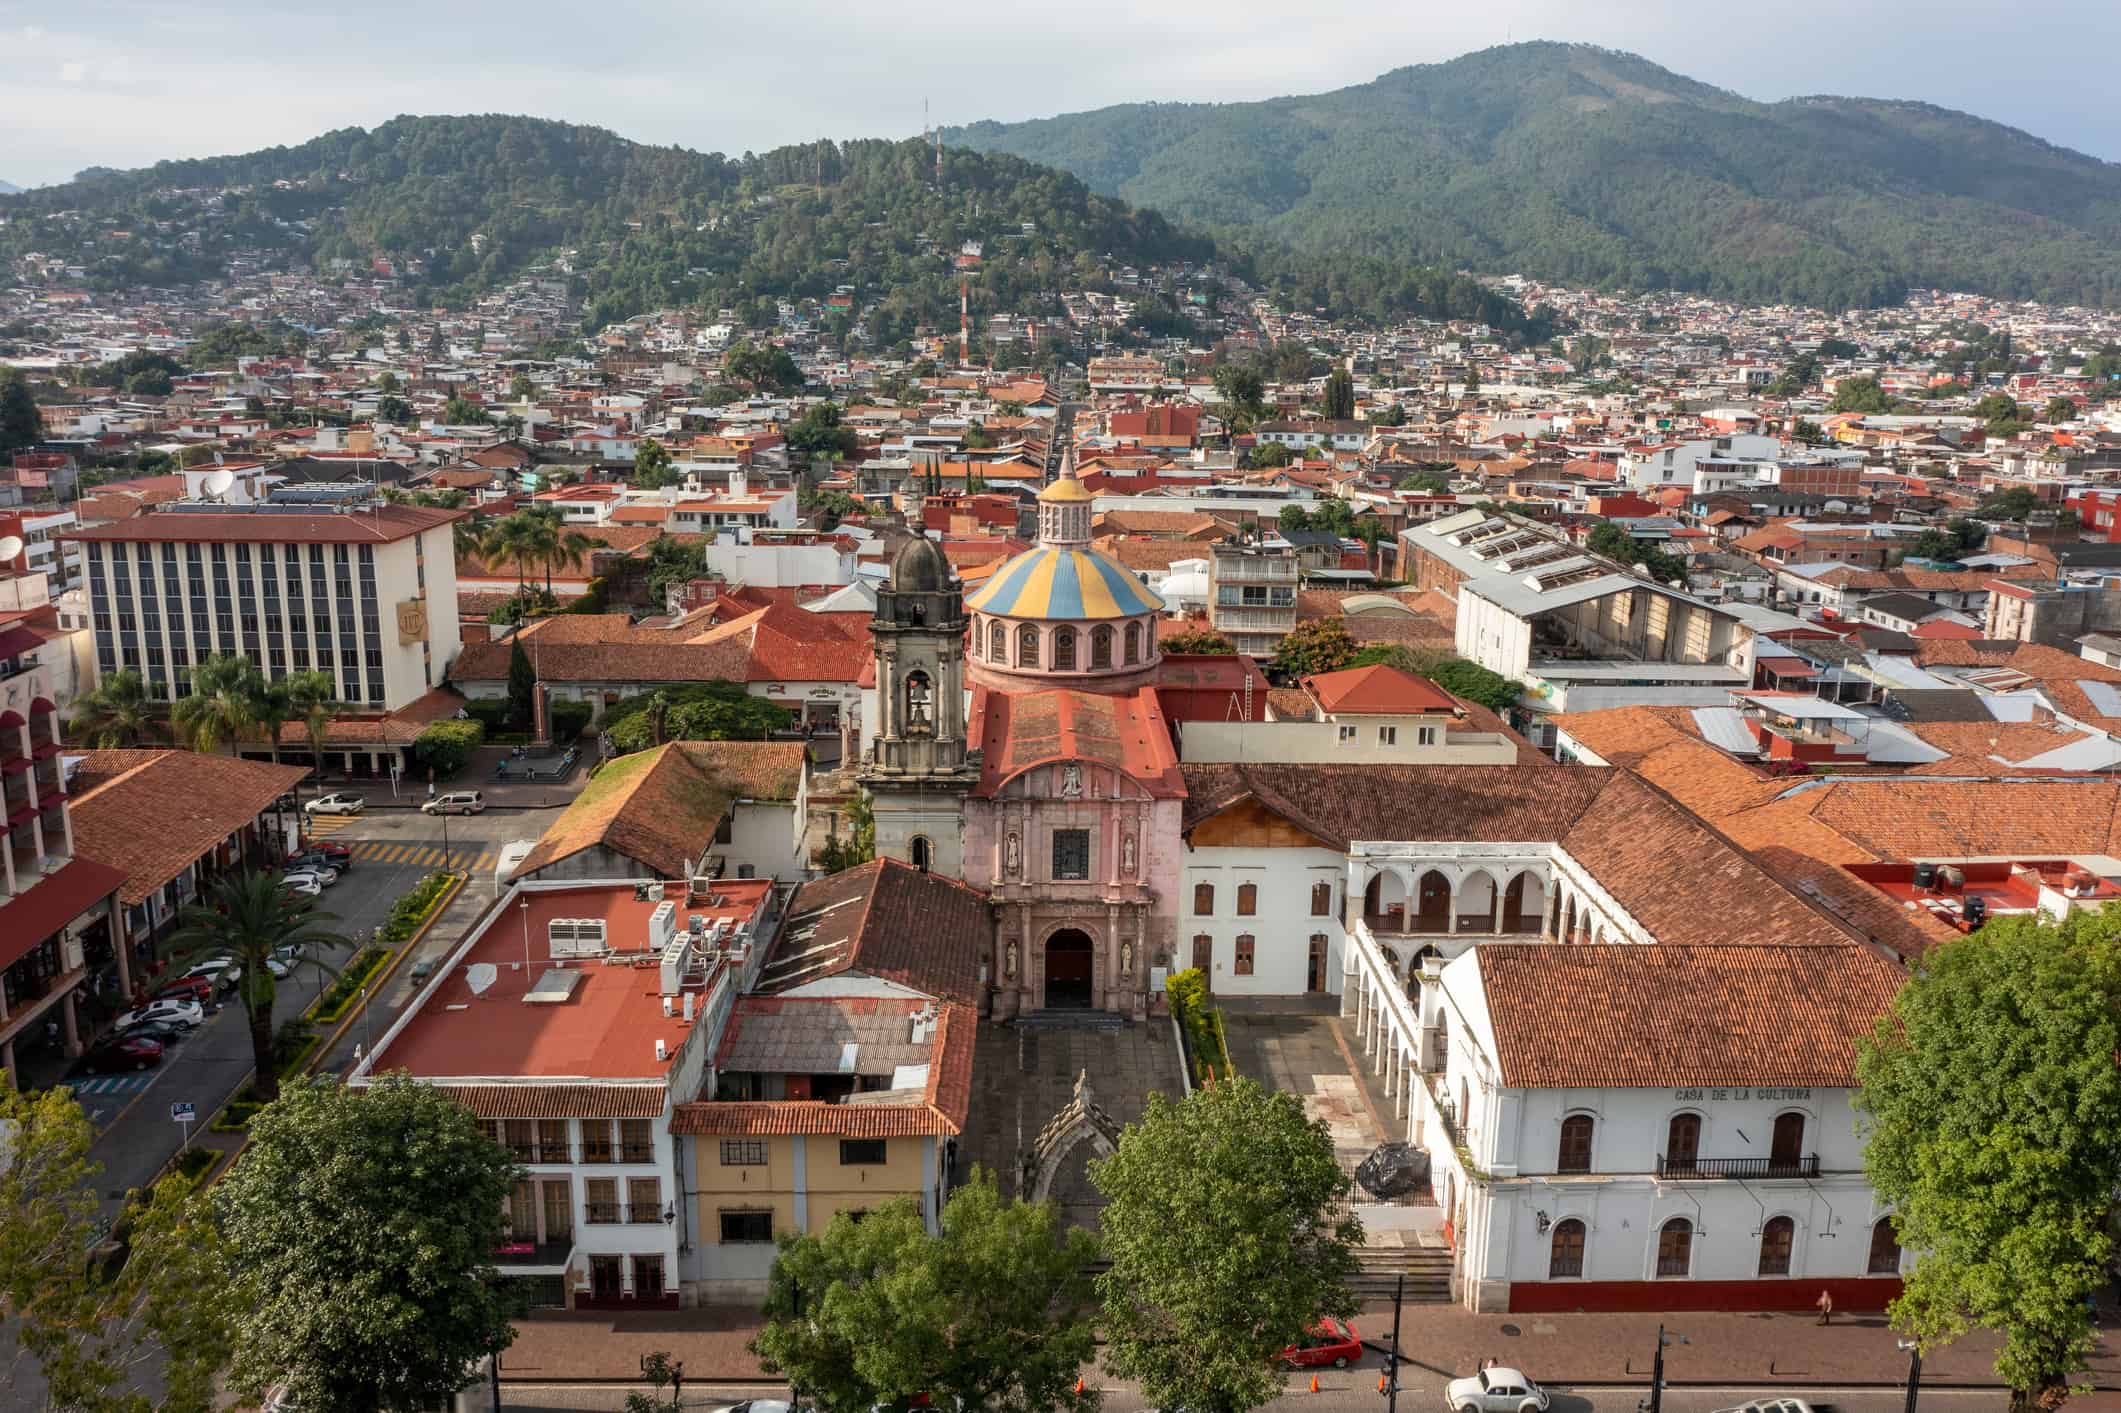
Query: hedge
{"x": 193, "y": 1165}
{"x": 339, "y": 999}
{"x": 491, "y": 713}
{"x": 412, "y": 909}
{"x": 569, "y": 720}
{"x": 1200, "y": 1023}
{"x": 445, "y": 746}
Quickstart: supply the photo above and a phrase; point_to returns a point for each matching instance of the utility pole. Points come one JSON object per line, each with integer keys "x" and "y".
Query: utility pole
{"x": 1914, "y": 1371}
{"x": 1655, "y": 1403}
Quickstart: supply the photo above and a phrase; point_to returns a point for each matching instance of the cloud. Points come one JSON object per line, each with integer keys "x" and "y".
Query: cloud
{"x": 101, "y": 86}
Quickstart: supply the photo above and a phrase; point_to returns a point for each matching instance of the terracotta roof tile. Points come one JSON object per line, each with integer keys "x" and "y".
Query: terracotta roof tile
{"x": 1533, "y": 801}
{"x": 152, "y": 813}
{"x": 1670, "y": 1015}
{"x": 559, "y": 1101}
{"x": 887, "y": 919}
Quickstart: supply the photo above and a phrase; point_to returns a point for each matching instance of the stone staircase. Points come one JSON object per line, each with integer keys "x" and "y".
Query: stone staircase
{"x": 1103, "y": 1022}
{"x": 1427, "y": 1269}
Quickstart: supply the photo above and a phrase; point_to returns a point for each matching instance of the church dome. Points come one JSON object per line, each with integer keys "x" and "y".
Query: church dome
{"x": 1055, "y": 583}
{"x": 920, "y": 567}
{"x": 1066, "y": 488}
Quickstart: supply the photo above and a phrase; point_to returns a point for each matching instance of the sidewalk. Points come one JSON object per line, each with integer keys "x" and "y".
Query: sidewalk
{"x": 477, "y": 774}
{"x": 1767, "y": 1350}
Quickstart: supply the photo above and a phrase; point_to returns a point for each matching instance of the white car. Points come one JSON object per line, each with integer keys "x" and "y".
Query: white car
{"x": 1496, "y": 1390}
{"x": 185, "y": 1013}
{"x": 335, "y": 804}
{"x": 325, "y": 874}
{"x": 304, "y": 883}
{"x": 221, "y": 971}
{"x": 283, "y": 961}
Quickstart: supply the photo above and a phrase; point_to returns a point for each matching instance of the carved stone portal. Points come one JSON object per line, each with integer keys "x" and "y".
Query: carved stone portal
{"x": 1081, "y": 1118}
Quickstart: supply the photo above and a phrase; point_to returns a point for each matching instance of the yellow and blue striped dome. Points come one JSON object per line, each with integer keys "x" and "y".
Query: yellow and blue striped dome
{"x": 1064, "y": 583}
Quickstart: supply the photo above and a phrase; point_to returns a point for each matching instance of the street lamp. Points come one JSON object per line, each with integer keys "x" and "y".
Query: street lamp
{"x": 1655, "y": 1402}
{"x": 1913, "y": 1349}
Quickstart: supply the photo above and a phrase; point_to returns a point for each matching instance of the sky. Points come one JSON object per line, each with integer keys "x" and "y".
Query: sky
{"x": 123, "y": 83}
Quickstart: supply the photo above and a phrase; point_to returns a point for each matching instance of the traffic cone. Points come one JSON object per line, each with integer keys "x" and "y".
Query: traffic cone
{"x": 1078, "y": 1386}
{"x": 1314, "y": 1383}
{"x": 1380, "y": 1382}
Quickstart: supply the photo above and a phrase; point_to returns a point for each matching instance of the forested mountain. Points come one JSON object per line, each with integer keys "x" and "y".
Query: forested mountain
{"x": 460, "y": 204}
{"x": 1581, "y": 164}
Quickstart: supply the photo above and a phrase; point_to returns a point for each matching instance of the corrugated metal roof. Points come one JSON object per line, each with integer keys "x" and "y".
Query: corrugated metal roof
{"x": 1724, "y": 728}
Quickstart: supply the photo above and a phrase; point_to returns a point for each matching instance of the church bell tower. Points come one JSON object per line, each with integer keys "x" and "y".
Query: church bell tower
{"x": 919, "y": 769}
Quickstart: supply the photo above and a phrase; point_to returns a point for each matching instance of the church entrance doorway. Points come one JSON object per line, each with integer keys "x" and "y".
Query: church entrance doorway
{"x": 1068, "y": 971}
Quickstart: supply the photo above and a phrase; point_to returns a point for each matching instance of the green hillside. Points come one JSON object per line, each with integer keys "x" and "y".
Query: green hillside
{"x": 1582, "y": 164}
{"x": 459, "y": 205}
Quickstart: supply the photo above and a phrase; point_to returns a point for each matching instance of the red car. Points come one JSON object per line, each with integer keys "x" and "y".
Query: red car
{"x": 339, "y": 855}
{"x": 1331, "y": 1342}
{"x": 126, "y": 1052}
{"x": 188, "y": 988}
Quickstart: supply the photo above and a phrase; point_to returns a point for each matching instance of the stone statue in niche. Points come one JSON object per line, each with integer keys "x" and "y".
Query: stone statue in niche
{"x": 1126, "y": 854}
{"x": 1071, "y": 782}
{"x": 1126, "y": 959}
{"x": 1012, "y": 855}
{"x": 1009, "y": 961}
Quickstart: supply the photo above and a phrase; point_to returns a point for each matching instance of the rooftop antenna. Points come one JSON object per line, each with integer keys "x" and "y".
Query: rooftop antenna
{"x": 215, "y": 485}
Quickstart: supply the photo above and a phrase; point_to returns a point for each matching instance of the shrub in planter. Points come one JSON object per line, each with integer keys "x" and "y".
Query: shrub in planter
{"x": 489, "y": 713}
{"x": 569, "y": 719}
{"x": 445, "y": 746}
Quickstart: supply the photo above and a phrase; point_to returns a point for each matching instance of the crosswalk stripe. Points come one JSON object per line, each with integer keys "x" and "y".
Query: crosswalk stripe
{"x": 397, "y": 853}
{"x": 484, "y": 860}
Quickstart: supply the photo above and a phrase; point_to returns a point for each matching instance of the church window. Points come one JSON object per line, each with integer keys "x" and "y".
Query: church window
{"x": 1204, "y": 900}
{"x": 1134, "y": 642}
{"x": 1247, "y": 899}
{"x": 998, "y": 644}
{"x": 1071, "y": 853}
{"x": 919, "y": 703}
{"x": 1100, "y": 648}
{"x": 1247, "y": 948}
{"x": 1027, "y": 646}
{"x": 920, "y": 852}
{"x": 1064, "y": 650}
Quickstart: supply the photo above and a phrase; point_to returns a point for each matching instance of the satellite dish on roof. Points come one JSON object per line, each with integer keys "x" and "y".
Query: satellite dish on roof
{"x": 217, "y": 483}
{"x": 480, "y": 975}
{"x": 10, "y": 547}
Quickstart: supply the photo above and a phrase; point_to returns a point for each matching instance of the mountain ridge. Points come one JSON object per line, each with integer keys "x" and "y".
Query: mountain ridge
{"x": 1590, "y": 165}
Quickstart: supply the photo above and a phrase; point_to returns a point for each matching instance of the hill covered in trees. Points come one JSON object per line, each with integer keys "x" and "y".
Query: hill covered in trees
{"x": 1585, "y": 165}
{"x": 457, "y": 205}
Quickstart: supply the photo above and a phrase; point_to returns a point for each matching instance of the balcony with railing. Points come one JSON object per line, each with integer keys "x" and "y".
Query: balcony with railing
{"x": 1685, "y": 1165}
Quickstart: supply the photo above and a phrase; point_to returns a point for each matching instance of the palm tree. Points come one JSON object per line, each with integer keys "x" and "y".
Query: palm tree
{"x": 219, "y": 707}
{"x": 270, "y": 709}
{"x": 469, "y": 538}
{"x": 313, "y": 697}
{"x": 120, "y": 712}
{"x": 508, "y": 540}
{"x": 540, "y": 540}
{"x": 246, "y": 917}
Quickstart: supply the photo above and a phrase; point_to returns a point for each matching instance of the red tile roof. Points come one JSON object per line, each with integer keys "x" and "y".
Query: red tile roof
{"x": 886, "y": 919}
{"x": 1018, "y": 731}
{"x": 192, "y": 803}
{"x": 1378, "y": 690}
{"x": 383, "y": 525}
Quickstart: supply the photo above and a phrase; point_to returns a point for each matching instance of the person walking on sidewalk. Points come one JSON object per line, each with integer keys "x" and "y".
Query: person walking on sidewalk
{"x": 1826, "y": 1307}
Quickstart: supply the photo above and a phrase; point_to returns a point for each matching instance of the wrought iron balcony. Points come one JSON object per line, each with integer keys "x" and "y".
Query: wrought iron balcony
{"x": 1806, "y": 1166}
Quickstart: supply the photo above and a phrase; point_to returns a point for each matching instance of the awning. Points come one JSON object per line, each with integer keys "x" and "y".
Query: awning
{"x": 1789, "y": 667}
{"x": 52, "y": 902}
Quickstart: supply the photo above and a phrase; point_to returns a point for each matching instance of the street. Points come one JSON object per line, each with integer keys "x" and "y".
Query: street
{"x": 1348, "y": 1391}
{"x": 392, "y": 849}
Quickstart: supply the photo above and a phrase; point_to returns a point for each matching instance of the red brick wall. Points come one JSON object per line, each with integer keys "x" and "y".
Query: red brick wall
{"x": 1851, "y": 1294}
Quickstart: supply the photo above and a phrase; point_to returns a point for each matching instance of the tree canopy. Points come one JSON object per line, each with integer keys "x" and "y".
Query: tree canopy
{"x": 1992, "y": 1113}
{"x": 1227, "y": 1241}
{"x": 994, "y": 1312}
{"x": 1314, "y": 645}
{"x": 361, "y": 1225}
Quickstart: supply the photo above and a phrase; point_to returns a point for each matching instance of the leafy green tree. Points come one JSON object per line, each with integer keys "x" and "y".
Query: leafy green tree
{"x": 1393, "y": 416}
{"x": 1314, "y": 645}
{"x": 313, "y": 698}
{"x": 1241, "y": 388}
{"x": 20, "y": 424}
{"x": 361, "y": 1227}
{"x": 522, "y": 682}
{"x": 1293, "y": 517}
{"x": 1198, "y": 640}
{"x": 1808, "y": 432}
{"x": 1224, "y": 1226}
{"x": 145, "y": 1334}
{"x": 460, "y": 411}
{"x": 119, "y": 712}
{"x": 697, "y": 711}
{"x": 2016, "y": 503}
{"x": 270, "y": 709}
{"x": 651, "y": 466}
{"x": 1616, "y": 543}
{"x": 220, "y": 706}
{"x": 1340, "y": 395}
{"x": 993, "y": 1312}
{"x": 1992, "y": 1109}
{"x": 831, "y": 507}
{"x": 1860, "y": 395}
{"x": 521, "y": 388}
{"x": 1428, "y": 483}
{"x": 2059, "y": 409}
{"x": 858, "y": 846}
{"x": 445, "y": 747}
{"x": 247, "y": 917}
{"x": 819, "y": 433}
{"x": 1272, "y": 454}
{"x": 1462, "y": 677}
{"x": 395, "y": 410}
{"x": 766, "y": 367}
{"x": 386, "y": 382}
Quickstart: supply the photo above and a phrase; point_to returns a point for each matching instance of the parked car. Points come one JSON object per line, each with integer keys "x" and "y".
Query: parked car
{"x": 220, "y": 971}
{"x": 455, "y": 802}
{"x": 283, "y": 960}
{"x": 1331, "y": 1342}
{"x": 325, "y": 874}
{"x": 336, "y": 804}
{"x": 126, "y": 1052}
{"x": 339, "y": 856}
{"x": 306, "y": 884}
{"x": 162, "y": 1032}
{"x": 1496, "y": 1390}
{"x": 314, "y": 861}
{"x": 185, "y": 1013}
{"x": 186, "y": 988}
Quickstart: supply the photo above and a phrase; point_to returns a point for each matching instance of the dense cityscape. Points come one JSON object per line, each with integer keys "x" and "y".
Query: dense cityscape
{"x": 869, "y": 777}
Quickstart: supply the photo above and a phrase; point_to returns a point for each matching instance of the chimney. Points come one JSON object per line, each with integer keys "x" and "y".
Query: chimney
{"x": 739, "y": 484}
